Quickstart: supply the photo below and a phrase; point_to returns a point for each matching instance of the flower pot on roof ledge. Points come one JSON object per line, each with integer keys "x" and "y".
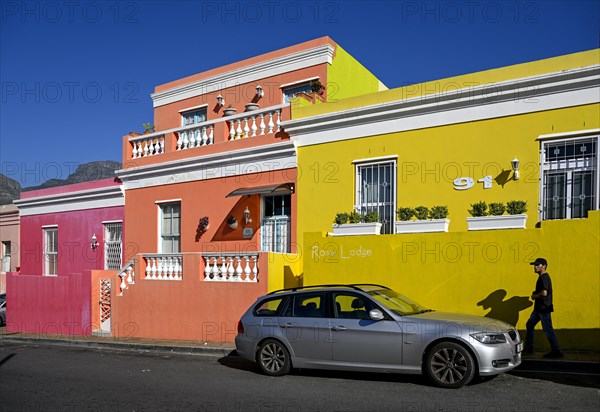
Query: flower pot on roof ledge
{"x": 422, "y": 226}
{"x": 355, "y": 229}
{"x": 251, "y": 106}
{"x": 497, "y": 222}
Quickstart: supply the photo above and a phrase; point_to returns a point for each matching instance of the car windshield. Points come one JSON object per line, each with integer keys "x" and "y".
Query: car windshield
{"x": 395, "y": 302}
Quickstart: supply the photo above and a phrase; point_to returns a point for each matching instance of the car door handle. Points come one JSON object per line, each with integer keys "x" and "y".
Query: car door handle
{"x": 338, "y": 328}
{"x": 287, "y": 325}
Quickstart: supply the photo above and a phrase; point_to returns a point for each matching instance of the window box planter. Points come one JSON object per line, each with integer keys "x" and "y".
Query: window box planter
{"x": 422, "y": 226}
{"x": 497, "y": 222}
{"x": 355, "y": 229}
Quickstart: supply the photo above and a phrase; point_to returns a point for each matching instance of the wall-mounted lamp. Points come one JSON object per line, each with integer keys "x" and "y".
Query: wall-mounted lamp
{"x": 94, "y": 243}
{"x": 220, "y": 100}
{"x": 247, "y": 215}
{"x": 515, "y": 167}
{"x": 259, "y": 91}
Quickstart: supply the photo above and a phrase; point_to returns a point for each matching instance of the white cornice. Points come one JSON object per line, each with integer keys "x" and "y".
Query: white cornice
{"x": 66, "y": 202}
{"x": 239, "y": 162}
{"x": 532, "y": 94}
{"x": 569, "y": 135}
{"x": 254, "y": 72}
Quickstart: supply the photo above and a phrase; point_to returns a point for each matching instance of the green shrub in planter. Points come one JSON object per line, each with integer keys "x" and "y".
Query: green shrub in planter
{"x": 497, "y": 209}
{"x": 421, "y": 212}
{"x": 371, "y": 217}
{"x": 405, "y": 213}
{"x": 354, "y": 217}
{"x": 438, "y": 212}
{"x": 516, "y": 207}
{"x": 341, "y": 218}
{"x": 479, "y": 209}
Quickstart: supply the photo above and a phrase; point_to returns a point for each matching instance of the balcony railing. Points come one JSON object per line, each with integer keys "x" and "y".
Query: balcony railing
{"x": 239, "y": 126}
{"x": 234, "y": 267}
{"x": 164, "y": 266}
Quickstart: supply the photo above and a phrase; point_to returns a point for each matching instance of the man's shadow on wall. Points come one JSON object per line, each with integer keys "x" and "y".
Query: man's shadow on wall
{"x": 504, "y": 310}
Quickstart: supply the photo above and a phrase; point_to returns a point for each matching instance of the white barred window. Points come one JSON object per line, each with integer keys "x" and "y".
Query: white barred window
{"x": 113, "y": 245}
{"x": 569, "y": 172}
{"x": 376, "y": 191}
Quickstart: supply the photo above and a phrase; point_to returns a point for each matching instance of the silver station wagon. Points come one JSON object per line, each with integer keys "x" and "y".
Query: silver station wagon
{"x": 374, "y": 329}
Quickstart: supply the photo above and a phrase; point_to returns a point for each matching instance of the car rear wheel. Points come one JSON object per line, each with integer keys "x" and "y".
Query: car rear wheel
{"x": 449, "y": 365}
{"x": 273, "y": 358}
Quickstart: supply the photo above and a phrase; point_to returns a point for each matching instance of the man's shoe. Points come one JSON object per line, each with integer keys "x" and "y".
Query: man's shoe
{"x": 554, "y": 354}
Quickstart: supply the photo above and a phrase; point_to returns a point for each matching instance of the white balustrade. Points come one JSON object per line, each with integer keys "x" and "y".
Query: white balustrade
{"x": 145, "y": 146}
{"x": 231, "y": 268}
{"x": 127, "y": 276}
{"x": 164, "y": 267}
{"x": 243, "y": 125}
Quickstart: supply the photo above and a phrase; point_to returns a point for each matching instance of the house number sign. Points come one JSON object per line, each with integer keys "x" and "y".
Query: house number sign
{"x": 465, "y": 183}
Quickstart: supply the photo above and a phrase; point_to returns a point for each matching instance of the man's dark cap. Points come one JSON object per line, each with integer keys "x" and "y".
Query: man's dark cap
{"x": 539, "y": 261}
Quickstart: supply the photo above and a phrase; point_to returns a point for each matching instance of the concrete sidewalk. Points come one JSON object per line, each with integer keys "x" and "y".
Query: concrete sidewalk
{"x": 228, "y": 348}
{"x": 121, "y": 343}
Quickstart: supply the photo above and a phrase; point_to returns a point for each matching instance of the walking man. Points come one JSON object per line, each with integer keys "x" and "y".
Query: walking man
{"x": 542, "y": 310}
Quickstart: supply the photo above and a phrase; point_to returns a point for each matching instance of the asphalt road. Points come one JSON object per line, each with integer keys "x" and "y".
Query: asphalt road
{"x": 58, "y": 378}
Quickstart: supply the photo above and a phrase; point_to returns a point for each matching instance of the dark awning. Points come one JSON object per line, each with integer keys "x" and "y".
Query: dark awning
{"x": 280, "y": 188}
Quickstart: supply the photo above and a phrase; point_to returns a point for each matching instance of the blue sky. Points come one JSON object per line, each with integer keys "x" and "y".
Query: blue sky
{"x": 77, "y": 75}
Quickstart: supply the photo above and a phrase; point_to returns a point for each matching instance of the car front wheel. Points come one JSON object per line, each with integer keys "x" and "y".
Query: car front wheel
{"x": 273, "y": 358}
{"x": 449, "y": 365}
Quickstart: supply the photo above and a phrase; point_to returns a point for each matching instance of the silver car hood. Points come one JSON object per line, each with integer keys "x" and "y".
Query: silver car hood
{"x": 487, "y": 324}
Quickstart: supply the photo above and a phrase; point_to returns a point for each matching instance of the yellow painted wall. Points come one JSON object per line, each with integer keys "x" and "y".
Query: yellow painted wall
{"x": 346, "y": 78}
{"x": 555, "y": 64}
{"x": 455, "y": 271}
{"x": 430, "y": 159}
{"x": 284, "y": 271}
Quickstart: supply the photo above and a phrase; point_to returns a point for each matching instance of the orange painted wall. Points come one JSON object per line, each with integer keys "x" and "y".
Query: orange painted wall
{"x": 198, "y": 199}
{"x": 190, "y": 309}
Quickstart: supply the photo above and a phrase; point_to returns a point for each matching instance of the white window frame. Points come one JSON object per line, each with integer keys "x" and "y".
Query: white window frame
{"x": 47, "y": 266}
{"x": 276, "y": 230}
{"x": 161, "y": 235}
{"x": 110, "y": 245}
{"x": 6, "y": 255}
{"x": 194, "y": 111}
{"x": 359, "y": 165}
{"x": 568, "y": 167}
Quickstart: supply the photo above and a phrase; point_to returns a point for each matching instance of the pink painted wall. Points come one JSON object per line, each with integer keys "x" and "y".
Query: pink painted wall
{"x": 75, "y": 230}
{"x": 49, "y": 305}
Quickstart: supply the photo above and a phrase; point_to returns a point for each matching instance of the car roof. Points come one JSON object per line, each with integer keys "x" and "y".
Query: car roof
{"x": 362, "y": 287}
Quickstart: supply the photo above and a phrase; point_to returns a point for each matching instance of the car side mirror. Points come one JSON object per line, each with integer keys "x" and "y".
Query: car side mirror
{"x": 375, "y": 314}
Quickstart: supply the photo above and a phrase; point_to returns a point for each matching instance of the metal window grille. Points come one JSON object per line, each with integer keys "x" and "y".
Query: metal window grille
{"x": 275, "y": 234}
{"x": 376, "y": 191}
{"x": 113, "y": 246}
{"x": 569, "y": 178}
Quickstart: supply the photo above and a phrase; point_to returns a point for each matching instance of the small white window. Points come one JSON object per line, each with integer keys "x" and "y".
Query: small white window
{"x": 170, "y": 228}
{"x": 6, "y": 253}
{"x": 51, "y": 251}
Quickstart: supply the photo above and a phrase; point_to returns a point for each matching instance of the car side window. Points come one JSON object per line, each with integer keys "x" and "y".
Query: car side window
{"x": 351, "y": 306}
{"x": 310, "y": 305}
{"x": 268, "y": 307}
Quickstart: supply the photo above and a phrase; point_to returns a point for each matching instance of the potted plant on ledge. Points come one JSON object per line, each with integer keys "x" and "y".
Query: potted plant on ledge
{"x": 232, "y": 222}
{"x": 353, "y": 223}
{"x": 492, "y": 217}
{"x": 427, "y": 220}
